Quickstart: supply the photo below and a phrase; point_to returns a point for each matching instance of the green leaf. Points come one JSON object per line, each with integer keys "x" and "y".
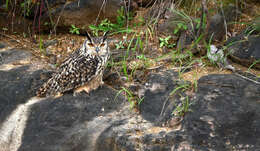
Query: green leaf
{"x": 176, "y": 30}
{"x": 167, "y": 38}
{"x": 185, "y": 27}
{"x": 161, "y": 44}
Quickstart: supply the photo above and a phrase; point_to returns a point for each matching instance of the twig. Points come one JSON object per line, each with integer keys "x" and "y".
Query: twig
{"x": 156, "y": 67}
{"x": 224, "y": 19}
{"x": 55, "y": 26}
{"x": 102, "y": 6}
{"x": 39, "y": 20}
{"x": 34, "y": 18}
{"x": 246, "y": 78}
{"x": 49, "y": 14}
{"x": 204, "y": 11}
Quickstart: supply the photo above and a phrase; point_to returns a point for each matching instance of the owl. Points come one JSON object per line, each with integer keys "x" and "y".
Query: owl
{"x": 81, "y": 71}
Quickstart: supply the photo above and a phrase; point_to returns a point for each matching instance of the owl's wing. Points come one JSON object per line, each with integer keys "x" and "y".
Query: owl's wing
{"x": 71, "y": 57}
{"x": 74, "y": 72}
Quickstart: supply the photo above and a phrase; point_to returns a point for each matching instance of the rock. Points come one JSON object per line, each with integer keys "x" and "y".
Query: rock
{"x": 50, "y": 43}
{"x": 1, "y": 59}
{"x": 217, "y": 27}
{"x": 72, "y": 122}
{"x": 14, "y": 56}
{"x": 113, "y": 79}
{"x": 225, "y": 114}
{"x": 156, "y": 105}
{"x": 185, "y": 32}
{"x": 245, "y": 49}
{"x": 170, "y": 23}
{"x": 185, "y": 39}
{"x": 82, "y": 13}
{"x": 52, "y": 123}
{"x": 98, "y": 121}
{"x": 2, "y": 45}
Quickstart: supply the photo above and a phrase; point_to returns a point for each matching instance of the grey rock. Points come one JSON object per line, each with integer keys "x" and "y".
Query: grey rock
{"x": 170, "y": 23}
{"x": 245, "y": 49}
{"x": 72, "y": 122}
{"x": 1, "y": 59}
{"x": 156, "y": 106}
{"x": 82, "y": 13}
{"x": 2, "y": 45}
{"x": 185, "y": 38}
{"x": 224, "y": 115}
{"x": 217, "y": 27}
{"x": 14, "y": 55}
{"x": 50, "y": 43}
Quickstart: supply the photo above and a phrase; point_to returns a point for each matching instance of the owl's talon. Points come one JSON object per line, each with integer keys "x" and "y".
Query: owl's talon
{"x": 76, "y": 94}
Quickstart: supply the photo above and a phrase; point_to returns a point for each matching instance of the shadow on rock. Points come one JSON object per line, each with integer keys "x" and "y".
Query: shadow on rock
{"x": 68, "y": 122}
{"x": 50, "y": 124}
{"x": 15, "y": 89}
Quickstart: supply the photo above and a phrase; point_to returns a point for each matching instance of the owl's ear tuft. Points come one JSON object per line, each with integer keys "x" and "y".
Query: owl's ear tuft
{"x": 105, "y": 36}
{"x": 88, "y": 36}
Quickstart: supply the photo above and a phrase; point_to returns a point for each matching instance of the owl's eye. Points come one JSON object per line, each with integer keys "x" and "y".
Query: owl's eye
{"x": 102, "y": 45}
{"x": 90, "y": 45}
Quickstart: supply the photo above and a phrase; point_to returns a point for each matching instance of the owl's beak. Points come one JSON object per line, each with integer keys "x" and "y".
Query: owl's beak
{"x": 97, "y": 49}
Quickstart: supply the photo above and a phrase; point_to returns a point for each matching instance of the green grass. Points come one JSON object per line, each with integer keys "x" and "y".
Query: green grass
{"x": 182, "y": 108}
{"x": 41, "y": 47}
{"x": 119, "y": 27}
{"x": 129, "y": 95}
{"x": 74, "y": 30}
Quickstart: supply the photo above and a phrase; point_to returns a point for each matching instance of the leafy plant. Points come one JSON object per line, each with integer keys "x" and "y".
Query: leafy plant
{"x": 254, "y": 63}
{"x": 41, "y": 47}
{"x": 164, "y": 42}
{"x": 74, "y": 30}
{"x": 183, "y": 107}
{"x": 180, "y": 26}
{"x": 26, "y": 7}
{"x": 120, "y": 45}
{"x": 6, "y": 4}
{"x": 117, "y": 27}
{"x": 141, "y": 57}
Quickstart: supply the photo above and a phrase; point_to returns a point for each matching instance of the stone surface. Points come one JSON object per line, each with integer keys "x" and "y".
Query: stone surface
{"x": 245, "y": 49}
{"x": 220, "y": 22}
{"x": 2, "y": 45}
{"x": 224, "y": 114}
{"x": 155, "y": 93}
{"x": 82, "y": 13}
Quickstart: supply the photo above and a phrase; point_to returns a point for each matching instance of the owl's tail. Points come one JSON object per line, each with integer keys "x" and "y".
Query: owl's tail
{"x": 41, "y": 92}
{"x": 47, "y": 89}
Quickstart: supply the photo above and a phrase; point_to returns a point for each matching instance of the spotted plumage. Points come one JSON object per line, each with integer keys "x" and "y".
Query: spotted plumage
{"x": 82, "y": 70}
